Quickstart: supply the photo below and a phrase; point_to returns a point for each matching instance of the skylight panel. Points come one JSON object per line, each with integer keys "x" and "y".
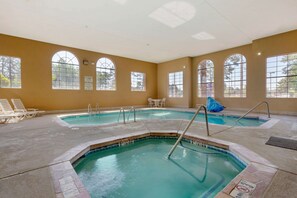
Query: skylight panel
{"x": 174, "y": 14}
{"x": 203, "y": 36}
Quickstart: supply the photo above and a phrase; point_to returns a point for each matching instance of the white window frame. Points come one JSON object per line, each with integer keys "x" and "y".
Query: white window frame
{"x": 7, "y": 80}
{"x": 138, "y": 83}
{"x": 175, "y": 79}
{"x": 205, "y": 79}
{"x": 72, "y": 79}
{"x": 278, "y": 72}
{"x": 236, "y": 81}
{"x": 105, "y": 66}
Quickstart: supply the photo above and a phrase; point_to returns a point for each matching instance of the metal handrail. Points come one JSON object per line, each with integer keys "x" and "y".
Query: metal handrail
{"x": 89, "y": 109}
{"x": 134, "y": 113}
{"x": 188, "y": 126}
{"x": 97, "y": 109}
{"x": 122, "y": 110}
{"x": 263, "y": 102}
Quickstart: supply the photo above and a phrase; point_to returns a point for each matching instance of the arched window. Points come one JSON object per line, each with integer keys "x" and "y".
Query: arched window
{"x": 10, "y": 72}
{"x": 105, "y": 75}
{"x": 205, "y": 79}
{"x": 65, "y": 71}
{"x": 235, "y": 76}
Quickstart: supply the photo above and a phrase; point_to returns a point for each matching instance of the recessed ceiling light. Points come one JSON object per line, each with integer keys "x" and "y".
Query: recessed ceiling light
{"x": 174, "y": 13}
{"x": 259, "y": 53}
{"x": 203, "y": 36}
{"x": 122, "y": 2}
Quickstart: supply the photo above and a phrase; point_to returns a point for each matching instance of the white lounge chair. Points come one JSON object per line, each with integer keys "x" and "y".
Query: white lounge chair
{"x": 19, "y": 107}
{"x": 4, "y": 118}
{"x": 8, "y": 112}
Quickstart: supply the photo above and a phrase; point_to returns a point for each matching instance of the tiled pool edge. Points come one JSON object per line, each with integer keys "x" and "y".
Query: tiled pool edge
{"x": 67, "y": 183}
{"x": 269, "y": 122}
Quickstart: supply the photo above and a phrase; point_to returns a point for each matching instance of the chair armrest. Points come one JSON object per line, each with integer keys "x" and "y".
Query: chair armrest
{"x": 32, "y": 109}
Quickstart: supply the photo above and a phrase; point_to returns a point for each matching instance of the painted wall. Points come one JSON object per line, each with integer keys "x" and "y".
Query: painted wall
{"x": 273, "y": 46}
{"x": 218, "y": 59}
{"x": 36, "y": 74}
{"x": 182, "y": 64}
{"x": 256, "y": 73}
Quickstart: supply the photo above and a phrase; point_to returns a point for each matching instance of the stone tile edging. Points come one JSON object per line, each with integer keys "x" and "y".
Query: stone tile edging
{"x": 68, "y": 185}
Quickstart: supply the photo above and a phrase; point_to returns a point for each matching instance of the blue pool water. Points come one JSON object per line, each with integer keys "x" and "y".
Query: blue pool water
{"x": 158, "y": 114}
{"x": 141, "y": 169}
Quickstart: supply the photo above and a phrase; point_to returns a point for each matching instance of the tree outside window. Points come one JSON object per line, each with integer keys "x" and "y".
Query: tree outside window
{"x": 10, "y": 72}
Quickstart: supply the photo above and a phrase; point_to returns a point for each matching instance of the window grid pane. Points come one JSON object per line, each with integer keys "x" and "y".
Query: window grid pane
{"x": 65, "y": 71}
{"x": 235, "y": 76}
{"x": 205, "y": 79}
{"x": 281, "y": 76}
{"x": 10, "y": 72}
{"x": 175, "y": 84}
{"x": 137, "y": 81}
{"x": 105, "y": 75}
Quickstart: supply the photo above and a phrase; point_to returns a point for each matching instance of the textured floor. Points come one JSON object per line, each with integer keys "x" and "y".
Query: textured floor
{"x": 28, "y": 148}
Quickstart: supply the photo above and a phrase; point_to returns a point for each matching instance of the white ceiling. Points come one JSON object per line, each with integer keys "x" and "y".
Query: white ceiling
{"x": 137, "y": 28}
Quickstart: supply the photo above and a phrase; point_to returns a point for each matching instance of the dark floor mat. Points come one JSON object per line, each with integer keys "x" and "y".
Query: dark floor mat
{"x": 282, "y": 142}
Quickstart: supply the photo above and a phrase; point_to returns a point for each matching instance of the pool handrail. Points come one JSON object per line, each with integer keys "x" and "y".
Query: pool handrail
{"x": 122, "y": 110}
{"x": 89, "y": 109}
{"x": 188, "y": 126}
{"x": 134, "y": 113}
{"x": 97, "y": 108}
{"x": 263, "y": 102}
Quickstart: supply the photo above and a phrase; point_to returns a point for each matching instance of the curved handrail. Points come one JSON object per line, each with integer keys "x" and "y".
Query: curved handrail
{"x": 89, "y": 109}
{"x": 263, "y": 102}
{"x": 97, "y": 108}
{"x": 134, "y": 113}
{"x": 122, "y": 110}
{"x": 188, "y": 126}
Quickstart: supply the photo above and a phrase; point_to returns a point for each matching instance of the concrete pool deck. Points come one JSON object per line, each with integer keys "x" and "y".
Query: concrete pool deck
{"x": 28, "y": 148}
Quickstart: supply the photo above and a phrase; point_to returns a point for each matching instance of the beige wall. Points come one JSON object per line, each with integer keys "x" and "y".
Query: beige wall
{"x": 37, "y": 89}
{"x": 36, "y": 76}
{"x": 272, "y": 46}
{"x": 182, "y": 64}
{"x": 256, "y": 73}
{"x": 218, "y": 59}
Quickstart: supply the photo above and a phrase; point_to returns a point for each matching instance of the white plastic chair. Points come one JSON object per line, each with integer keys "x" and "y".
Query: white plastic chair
{"x": 163, "y": 102}
{"x": 150, "y": 102}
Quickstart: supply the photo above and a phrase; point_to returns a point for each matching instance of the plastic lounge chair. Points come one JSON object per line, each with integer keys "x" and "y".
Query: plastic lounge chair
{"x": 19, "y": 107}
{"x": 7, "y": 111}
{"x": 5, "y": 118}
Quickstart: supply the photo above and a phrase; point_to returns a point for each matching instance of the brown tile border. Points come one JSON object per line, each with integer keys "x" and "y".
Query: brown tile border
{"x": 68, "y": 185}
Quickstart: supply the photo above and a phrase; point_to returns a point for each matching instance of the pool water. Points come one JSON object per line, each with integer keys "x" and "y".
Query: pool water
{"x": 158, "y": 114}
{"x": 142, "y": 170}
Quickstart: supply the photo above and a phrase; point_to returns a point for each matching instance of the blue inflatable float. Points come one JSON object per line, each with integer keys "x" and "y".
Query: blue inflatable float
{"x": 213, "y": 106}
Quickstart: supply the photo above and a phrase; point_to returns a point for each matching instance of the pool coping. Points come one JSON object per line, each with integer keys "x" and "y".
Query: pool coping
{"x": 67, "y": 183}
{"x": 268, "y": 124}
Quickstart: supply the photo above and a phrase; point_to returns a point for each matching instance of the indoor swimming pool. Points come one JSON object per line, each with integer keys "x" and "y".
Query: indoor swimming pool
{"x": 157, "y": 114}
